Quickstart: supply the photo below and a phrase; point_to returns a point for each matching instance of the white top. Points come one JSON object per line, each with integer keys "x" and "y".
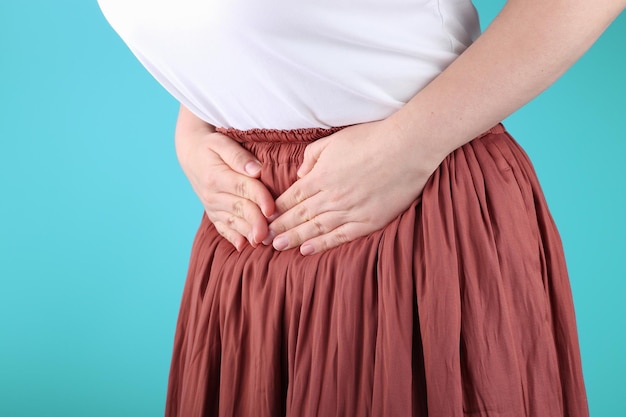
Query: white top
{"x": 286, "y": 64}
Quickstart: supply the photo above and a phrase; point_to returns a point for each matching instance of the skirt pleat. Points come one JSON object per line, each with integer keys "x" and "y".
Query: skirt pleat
{"x": 459, "y": 307}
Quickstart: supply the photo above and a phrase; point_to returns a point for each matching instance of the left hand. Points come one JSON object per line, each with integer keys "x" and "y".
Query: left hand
{"x": 351, "y": 183}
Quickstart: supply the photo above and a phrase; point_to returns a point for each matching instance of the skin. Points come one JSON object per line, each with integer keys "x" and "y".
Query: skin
{"x": 224, "y": 176}
{"x": 336, "y": 200}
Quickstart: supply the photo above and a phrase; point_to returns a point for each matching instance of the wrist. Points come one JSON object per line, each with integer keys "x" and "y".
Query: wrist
{"x": 422, "y": 145}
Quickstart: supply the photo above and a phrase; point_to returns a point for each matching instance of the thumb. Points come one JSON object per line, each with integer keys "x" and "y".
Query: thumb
{"x": 236, "y": 156}
{"x": 311, "y": 154}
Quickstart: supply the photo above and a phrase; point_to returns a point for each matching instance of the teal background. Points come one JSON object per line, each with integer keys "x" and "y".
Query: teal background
{"x": 97, "y": 219}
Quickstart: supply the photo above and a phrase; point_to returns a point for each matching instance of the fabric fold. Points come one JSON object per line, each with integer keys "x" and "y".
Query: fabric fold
{"x": 459, "y": 307}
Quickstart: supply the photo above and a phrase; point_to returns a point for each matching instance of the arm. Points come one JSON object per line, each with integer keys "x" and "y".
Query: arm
{"x": 224, "y": 176}
{"x": 526, "y": 48}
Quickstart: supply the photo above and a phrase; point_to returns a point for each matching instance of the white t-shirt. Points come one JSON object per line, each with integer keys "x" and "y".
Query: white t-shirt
{"x": 287, "y": 64}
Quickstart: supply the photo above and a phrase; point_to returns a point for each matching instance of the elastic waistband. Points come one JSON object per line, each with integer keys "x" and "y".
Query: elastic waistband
{"x": 305, "y": 135}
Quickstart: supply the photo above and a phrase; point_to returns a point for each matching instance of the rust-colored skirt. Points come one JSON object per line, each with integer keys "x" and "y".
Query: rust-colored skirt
{"x": 459, "y": 307}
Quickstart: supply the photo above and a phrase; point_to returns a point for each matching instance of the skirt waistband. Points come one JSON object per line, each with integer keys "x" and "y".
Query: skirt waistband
{"x": 305, "y": 135}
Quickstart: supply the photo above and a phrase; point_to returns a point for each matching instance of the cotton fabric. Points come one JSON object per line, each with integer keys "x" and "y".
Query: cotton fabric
{"x": 290, "y": 64}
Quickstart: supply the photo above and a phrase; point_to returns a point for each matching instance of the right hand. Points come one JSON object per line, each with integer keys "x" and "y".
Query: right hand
{"x": 224, "y": 175}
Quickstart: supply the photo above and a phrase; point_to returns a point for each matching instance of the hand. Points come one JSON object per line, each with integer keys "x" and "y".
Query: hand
{"x": 350, "y": 184}
{"x": 224, "y": 176}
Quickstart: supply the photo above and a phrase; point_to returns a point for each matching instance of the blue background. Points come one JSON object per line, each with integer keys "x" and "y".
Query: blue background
{"x": 97, "y": 219}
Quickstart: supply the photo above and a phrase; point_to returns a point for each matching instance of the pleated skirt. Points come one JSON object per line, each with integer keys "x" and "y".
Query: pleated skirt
{"x": 460, "y": 307}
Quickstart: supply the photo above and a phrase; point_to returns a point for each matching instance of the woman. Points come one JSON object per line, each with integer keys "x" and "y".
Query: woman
{"x": 374, "y": 242}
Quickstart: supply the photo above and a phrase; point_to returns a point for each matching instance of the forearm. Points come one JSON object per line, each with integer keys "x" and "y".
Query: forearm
{"x": 526, "y": 48}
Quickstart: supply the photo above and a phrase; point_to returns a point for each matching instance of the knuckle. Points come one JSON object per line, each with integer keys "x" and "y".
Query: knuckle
{"x": 242, "y": 188}
{"x": 319, "y": 226}
{"x": 238, "y": 208}
{"x": 298, "y": 196}
{"x": 231, "y": 221}
{"x": 302, "y": 213}
{"x": 341, "y": 236}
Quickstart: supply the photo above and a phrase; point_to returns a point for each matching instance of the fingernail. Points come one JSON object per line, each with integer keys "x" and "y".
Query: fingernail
{"x": 272, "y": 217}
{"x": 281, "y": 243}
{"x": 270, "y": 237}
{"x": 253, "y": 167}
{"x": 307, "y": 250}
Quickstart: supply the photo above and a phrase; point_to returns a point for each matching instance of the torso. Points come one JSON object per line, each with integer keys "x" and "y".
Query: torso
{"x": 286, "y": 64}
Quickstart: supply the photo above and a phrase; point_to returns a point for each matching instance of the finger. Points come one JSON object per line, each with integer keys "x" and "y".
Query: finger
{"x": 311, "y": 155}
{"x": 248, "y": 188}
{"x": 235, "y": 238}
{"x": 298, "y": 192}
{"x": 338, "y": 236}
{"x": 296, "y": 216}
{"x": 315, "y": 227}
{"x": 307, "y": 210}
{"x": 235, "y": 156}
{"x": 253, "y": 224}
{"x": 238, "y": 225}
